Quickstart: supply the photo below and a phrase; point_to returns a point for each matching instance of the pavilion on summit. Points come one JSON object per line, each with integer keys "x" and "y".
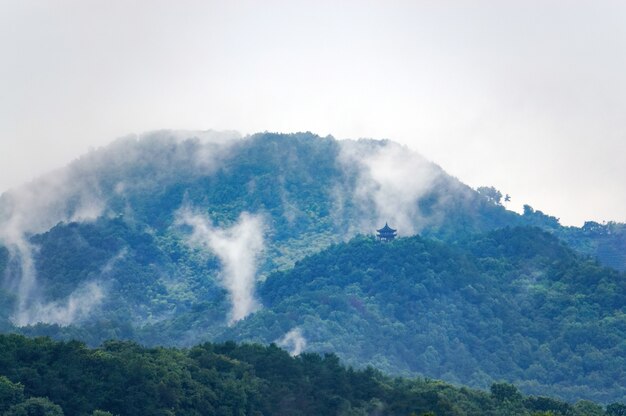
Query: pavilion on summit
{"x": 386, "y": 233}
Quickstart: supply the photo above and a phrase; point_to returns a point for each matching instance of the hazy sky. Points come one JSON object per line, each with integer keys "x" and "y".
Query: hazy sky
{"x": 527, "y": 96}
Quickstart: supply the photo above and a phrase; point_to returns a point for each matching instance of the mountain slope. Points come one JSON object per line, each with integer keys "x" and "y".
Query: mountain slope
{"x": 158, "y": 238}
{"x": 307, "y": 191}
{"x": 513, "y": 304}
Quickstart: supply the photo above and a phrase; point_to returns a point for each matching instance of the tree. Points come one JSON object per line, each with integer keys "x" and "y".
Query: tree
{"x": 616, "y": 409}
{"x": 35, "y": 406}
{"x": 492, "y": 194}
{"x": 10, "y": 393}
{"x": 505, "y": 391}
{"x": 587, "y": 408}
{"x": 547, "y": 404}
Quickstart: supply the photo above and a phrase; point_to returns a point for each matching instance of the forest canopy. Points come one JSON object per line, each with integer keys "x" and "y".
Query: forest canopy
{"x": 45, "y": 377}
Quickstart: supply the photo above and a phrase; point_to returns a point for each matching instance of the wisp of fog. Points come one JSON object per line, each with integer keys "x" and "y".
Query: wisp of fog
{"x": 238, "y": 249}
{"x": 390, "y": 180}
{"x": 79, "y": 193}
{"x": 293, "y": 341}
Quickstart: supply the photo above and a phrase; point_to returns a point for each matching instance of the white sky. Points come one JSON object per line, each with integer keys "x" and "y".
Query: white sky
{"x": 527, "y": 96}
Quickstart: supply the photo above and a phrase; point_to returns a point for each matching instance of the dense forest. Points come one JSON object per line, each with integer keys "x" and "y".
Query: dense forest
{"x": 472, "y": 293}
{"x": 43, "y": 377}
{"x": 512, "y": 304}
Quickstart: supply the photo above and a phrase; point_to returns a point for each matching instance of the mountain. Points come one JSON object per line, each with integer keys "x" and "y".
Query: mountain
{"x": 305, "y": 192}
{"x": 176, "y": 238}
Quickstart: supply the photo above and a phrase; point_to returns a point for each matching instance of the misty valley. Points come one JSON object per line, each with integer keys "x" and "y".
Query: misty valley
{"x": 194, "y": 273}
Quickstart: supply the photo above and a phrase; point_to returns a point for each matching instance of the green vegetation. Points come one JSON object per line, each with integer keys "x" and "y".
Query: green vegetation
{"x": 606, "y": 242}
{"x": 470, "y": 301}
{"x": 44, "y": 377}
{"x": 513, "y": 304}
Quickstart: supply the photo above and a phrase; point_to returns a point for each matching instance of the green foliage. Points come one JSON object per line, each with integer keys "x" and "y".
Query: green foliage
{"x": 505, "y": 392}
{"x": 10, "y": 393}
{"x": 515, "y": 304}
{"x": 547, "y": 404}
{"x": 587, "y": 408}
{"x": 247, "y": 379}
{"x": 616, "y": 409}
{"x": 492, "y": 194}
{"x": 460, "y": 303}
{"x": 35, "y": 406}
{"x": 606, "y": 242}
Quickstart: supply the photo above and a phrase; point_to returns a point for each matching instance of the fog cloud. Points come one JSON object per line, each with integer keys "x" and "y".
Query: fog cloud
{"x": 238, "y": 249}
{"x": 81, "y": 192}
{"x": 390, "y": 180}
{"x": 157, "y": 158}
{"x": 293, "y": 341}
{"x": 34, "y": 208}
{"x": 77, "y": 306}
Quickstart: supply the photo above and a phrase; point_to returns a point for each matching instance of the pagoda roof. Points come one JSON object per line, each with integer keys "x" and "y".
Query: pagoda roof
{"x": 386, "y": 229}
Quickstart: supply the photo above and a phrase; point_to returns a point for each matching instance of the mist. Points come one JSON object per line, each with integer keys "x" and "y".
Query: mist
{"x": 238, "y": 249}
{"x": 81, "y": 192}
{"x": 293, "y": 341}
{"x": 35, "y": 208}
{"x": 390, "y": 180}
{"x": 78, "y": 305}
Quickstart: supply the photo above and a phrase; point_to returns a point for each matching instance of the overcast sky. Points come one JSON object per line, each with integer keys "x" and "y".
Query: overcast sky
{"x": 527, "y": 96}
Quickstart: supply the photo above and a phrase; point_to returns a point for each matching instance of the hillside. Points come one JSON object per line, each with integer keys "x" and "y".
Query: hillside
{"x": 123, "y": 378}
{"x": 512, "y": 304}
{"x": 167, "y": 239}
{"x": 112, "y": 224}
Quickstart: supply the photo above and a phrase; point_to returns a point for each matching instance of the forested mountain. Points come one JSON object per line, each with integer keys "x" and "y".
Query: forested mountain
{"x": 40, "y": 376}
{"x": 111, "y": 227}
{"x": 177, "y": 238}
{"x": 512, "y": 304}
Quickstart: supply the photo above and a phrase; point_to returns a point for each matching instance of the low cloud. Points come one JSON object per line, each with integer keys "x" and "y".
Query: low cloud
{"x": 81, "y": 192}
{"x": 35, "y": 208}
{"x": 389, "y": 180}
{"x": 238, "y": 249}
{"x": 169, "y": 155}
{"x": 76, "y": 307}
{"x": 293, "y": 341}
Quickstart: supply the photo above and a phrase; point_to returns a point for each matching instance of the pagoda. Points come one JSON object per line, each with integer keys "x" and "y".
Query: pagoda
{"x": 386, "y": 233}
